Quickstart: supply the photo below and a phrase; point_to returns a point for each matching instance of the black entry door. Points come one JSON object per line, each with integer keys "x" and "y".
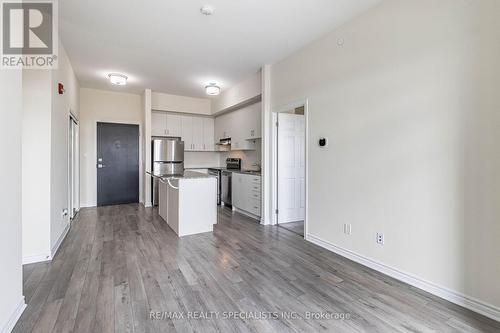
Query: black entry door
{"x": 117, "y": 164}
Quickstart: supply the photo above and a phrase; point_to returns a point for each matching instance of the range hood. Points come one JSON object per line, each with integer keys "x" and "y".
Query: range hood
{"x": 224, "y": 142}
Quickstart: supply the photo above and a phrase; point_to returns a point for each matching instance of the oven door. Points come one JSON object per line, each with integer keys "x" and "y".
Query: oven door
{"x": 226, "y": 195}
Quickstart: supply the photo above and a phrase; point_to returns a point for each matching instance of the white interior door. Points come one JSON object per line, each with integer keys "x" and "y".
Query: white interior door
{"x": 291, "y": 168}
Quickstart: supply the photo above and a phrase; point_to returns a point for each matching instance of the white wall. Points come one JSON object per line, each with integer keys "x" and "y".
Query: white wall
{"x": 176, "y": 103}
{"x": 45, "y": 157}
{"x": 36, "y": 144}
{"x": 245, "y": 90}
{"x": 11, "y": 299}
{"x": 410, "y": 105}
{"x": 101, "y": 106}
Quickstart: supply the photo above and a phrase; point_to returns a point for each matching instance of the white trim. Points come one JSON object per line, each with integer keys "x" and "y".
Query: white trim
{"x": 458, "y": 298}
{"x": 274, "y": 133}
{"x": 14, "y": 317}
{"x": 87, "y": 205}
{"x": 36, "y": 258}
{"x": 59, "y": 241}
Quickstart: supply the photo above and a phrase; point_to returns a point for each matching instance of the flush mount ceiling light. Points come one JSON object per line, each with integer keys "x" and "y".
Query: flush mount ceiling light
{"x": 212, "y": 89}
{"x": 207, "y": 10}
{"x": 117, "y": 79}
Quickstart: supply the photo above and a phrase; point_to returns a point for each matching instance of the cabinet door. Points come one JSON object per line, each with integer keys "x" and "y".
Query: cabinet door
{"x": 197, "y": 123}
{"x": 208, "y": 134}
{"x": 174, "y": 125}
{"x": 218, "y": 124}
{"x": 158, "y": 124}
{"x": 239, "y": 121}
{"x": 254, "y": 119}
{"x": 187, "y": 132}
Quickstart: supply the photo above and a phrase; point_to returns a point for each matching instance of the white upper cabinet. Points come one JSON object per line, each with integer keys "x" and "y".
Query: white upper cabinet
{"x": 158, "y": 124}
{"x": 254, "y": 121}
{"x": 243, "y": 126}
{"x": 187, "y": 132}
{"x": 208, "y": 134}
{"x": 197, "y": 133}
{"x": 223, "y": 126}
{"x": 174, "y": 125}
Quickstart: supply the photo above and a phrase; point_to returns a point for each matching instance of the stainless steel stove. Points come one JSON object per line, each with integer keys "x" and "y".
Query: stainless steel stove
{"x": 223, "y": 175}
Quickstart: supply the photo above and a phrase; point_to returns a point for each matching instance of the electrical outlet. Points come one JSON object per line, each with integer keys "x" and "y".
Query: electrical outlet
{"x": 347, "y": 229}
{"x": 380, "y": 238}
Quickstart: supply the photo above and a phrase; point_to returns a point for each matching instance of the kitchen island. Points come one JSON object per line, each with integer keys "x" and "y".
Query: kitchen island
{"x": 188, "y": 202}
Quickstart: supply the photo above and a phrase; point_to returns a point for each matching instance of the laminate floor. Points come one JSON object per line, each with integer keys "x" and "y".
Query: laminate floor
{"x": 122, "y": 269}
{"x": 296, "y": 227}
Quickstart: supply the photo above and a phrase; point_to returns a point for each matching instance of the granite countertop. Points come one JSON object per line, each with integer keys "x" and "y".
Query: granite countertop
{"x": 248, "y": 172}
{"x": 186, "y": 175}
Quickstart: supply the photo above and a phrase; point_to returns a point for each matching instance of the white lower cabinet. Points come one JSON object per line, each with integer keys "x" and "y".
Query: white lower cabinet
{"x": 246, "y": 192}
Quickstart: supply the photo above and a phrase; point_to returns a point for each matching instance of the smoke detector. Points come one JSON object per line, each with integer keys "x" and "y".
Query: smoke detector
{"x": 207, "y": 10}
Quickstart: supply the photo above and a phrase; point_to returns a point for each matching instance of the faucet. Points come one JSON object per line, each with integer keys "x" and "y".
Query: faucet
{"x": 258, "y": 165}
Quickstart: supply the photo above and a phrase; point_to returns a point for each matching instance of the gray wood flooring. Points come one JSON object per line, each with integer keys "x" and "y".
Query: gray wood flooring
{"x": 296, "y": 227}
{"x": 119, "y": 263}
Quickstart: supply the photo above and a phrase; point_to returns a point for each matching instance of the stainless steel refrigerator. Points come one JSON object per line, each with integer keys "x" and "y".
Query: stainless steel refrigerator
{"x": 167, "y": 159}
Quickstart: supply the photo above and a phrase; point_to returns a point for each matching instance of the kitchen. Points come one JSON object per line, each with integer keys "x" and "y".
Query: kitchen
{"x": 217, "y": 153}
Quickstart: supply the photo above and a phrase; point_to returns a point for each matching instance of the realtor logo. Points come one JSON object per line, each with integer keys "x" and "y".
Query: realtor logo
{"x": 29, "y": 34}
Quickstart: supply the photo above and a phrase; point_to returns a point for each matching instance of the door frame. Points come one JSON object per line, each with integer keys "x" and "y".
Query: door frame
{"x": 74, "y": 174}
{"x": 274, "y": 161}
{"x": 141, "y": 151}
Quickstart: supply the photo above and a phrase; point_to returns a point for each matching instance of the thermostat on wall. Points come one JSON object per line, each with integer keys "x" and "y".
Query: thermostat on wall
{"x": 323, "y": 142}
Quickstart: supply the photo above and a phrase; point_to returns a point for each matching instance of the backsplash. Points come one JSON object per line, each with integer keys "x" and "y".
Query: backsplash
{"x": 202, "y": 159}
{"x": 248, "y": 157}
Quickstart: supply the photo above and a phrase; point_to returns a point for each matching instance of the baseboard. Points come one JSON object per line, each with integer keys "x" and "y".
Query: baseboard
{"x": 468, "y": 302}
{"x": 60, "y": 240}
{"x": 36, "y": 258}
{"x": 250, "y": 215}
{"x": 14, "y": 317}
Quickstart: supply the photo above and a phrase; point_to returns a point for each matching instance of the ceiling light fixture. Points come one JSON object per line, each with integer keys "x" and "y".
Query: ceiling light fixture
{"x": 207, "y": 10}
{"x": 212, "y": 89}
{"x": 117, "y": 79}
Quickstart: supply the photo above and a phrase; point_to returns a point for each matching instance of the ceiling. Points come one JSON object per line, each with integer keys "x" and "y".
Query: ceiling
{"x": 168, "y": 46}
